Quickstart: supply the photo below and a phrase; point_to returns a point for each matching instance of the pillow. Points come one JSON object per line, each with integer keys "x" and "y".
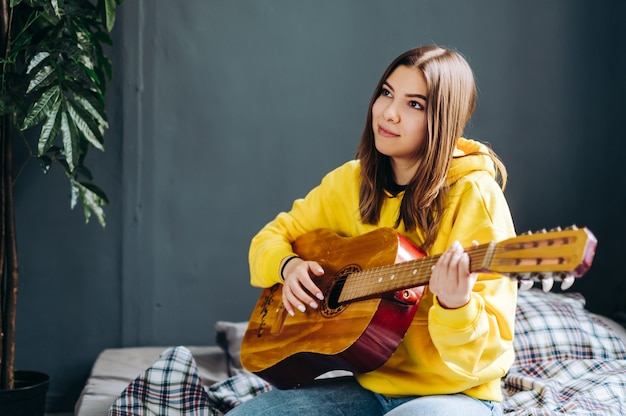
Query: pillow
{"x": 229, "y": 336}
{"x": 556, "y": 326}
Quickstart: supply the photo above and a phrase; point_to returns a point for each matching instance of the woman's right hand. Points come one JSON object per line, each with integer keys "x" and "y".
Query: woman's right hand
{"x": 298, "y": 285}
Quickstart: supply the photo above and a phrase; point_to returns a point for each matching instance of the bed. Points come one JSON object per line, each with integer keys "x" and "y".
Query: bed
{"x": 568, "y": 361}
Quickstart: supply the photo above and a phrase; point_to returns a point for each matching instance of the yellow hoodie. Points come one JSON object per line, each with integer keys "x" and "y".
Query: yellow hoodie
{"x": 444, "y": 351}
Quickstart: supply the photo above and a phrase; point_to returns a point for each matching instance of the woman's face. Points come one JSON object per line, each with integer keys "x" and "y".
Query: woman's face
{"x": 399, "y": 116}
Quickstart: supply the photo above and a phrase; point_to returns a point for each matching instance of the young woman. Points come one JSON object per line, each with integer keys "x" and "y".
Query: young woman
{"x": 416, "y": 173}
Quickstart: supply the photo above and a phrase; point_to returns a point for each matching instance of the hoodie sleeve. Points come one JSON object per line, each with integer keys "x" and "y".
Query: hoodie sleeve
{"x": 331, "y": 204}
{"x": 470, "y": 339}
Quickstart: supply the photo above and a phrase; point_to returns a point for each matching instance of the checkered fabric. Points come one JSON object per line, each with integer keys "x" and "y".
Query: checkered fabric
{"x": 171, "y": 386}
{"x": 567, "y": 362}
{"x": 235, "y": 390}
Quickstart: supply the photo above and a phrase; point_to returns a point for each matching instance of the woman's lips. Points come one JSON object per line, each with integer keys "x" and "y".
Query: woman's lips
{"x": 386, "y": 133}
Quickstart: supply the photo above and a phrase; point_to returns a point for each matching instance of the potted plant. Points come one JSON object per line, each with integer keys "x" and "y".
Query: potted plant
{"x": 53, "y": 84}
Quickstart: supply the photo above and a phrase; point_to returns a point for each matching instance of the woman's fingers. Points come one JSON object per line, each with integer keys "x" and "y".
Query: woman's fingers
{"x": 299, "y": 290}
{"x": 451, "y": 280}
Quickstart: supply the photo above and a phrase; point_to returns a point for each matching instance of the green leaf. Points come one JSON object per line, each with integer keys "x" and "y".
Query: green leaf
{"x": 85, "y": 124}
{"x": 92, "y": 198}
{"x": 96, "y": 191}
{"x": 101, "y": 37}
{"x": 81, "y": 171}
{"x": 70, "y": 141}
{"x": 75, "y": 79}
{"x": 41, "y": 108}
{"x": 50, "y": 129}
{"x": 74, "y": 192}
{"x": 109, "y": 7}
{"x": 87, "y": 70}
{"x": 55, "y": 7}
{"x": 91, "y": 104}
{"x": 36, "y": 60}
{"x": 43, "y": 78}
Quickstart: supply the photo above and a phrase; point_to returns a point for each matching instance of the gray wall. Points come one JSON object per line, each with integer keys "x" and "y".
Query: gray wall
{"x": 223, "y": 112}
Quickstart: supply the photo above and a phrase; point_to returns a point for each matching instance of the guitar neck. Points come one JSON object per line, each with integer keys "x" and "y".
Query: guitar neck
{"x": 380, "y": 280}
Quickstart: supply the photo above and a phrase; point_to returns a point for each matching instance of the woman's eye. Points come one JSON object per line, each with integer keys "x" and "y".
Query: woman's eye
{"x": 416, "y": 105}
{"x": 385, "y": 92}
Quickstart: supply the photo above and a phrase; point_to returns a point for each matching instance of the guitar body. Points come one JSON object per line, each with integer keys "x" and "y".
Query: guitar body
{"x": 372, "y": 286}
{"x": 360, "y": 336}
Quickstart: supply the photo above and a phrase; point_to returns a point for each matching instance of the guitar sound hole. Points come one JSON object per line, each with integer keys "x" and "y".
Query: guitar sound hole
{"x": 331, "y": 306}
{"x": 333, "y": 298}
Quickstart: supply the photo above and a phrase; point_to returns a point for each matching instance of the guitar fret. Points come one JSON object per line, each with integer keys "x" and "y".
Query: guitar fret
{"x": 399, "y": 276}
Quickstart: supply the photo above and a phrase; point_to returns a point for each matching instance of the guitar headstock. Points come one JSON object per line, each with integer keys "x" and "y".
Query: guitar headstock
{"x": 560, "y": 255}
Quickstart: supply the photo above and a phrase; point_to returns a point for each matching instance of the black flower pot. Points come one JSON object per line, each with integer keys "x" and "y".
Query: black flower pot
{"x": 28, "y": 398}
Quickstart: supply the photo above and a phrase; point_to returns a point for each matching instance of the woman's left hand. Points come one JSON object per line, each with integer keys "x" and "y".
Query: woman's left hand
{"x": 451, "y": 280}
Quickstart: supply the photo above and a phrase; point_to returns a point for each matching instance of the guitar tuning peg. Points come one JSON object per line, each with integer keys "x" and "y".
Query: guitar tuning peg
{"x": 567, "y": 282}
{"x": 543, "y": 231}
{"x": 525, "y": 284}
{"x": 572, "y": 227}
{"x": 536, "y": 276}
{"x": 547, "y": 283}
{"x": 527, "y": 233}
{"x": 555, "y": 229}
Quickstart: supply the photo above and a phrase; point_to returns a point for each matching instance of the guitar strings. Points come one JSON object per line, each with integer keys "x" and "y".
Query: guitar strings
{"x": 379, "y": 280}
{"x": 398, "y": 276}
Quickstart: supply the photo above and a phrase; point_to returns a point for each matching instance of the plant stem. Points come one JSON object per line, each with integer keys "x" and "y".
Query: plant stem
{"x": 9, "y": 274}
{"x": 2, "y": 251}
{"x": 10, "y": 267}
{"x": 4, "y": 37}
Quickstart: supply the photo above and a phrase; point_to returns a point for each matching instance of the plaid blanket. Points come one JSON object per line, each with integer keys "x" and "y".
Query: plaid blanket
{"x": 567, "y": 363}
{"x": 171, "y": 386}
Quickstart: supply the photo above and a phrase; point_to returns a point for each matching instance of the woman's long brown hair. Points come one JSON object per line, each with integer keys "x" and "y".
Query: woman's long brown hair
{"x": 450, "y": 103}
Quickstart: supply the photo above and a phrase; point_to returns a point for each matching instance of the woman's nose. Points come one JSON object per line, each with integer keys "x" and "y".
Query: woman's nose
{"x": 391, "y": 113}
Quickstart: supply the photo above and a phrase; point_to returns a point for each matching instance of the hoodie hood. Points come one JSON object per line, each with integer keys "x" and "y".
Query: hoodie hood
{"x": 462, "y": 166}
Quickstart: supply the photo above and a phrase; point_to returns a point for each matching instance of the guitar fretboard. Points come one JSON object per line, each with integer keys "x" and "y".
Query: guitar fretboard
{"x": 412, "y": 273}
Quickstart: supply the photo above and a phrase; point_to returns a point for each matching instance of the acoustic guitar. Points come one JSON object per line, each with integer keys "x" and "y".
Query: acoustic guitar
{"x": 372, "y": 285}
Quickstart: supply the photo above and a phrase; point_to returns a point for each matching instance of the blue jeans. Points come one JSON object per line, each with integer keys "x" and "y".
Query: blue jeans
{"x": 345, "y": 397}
